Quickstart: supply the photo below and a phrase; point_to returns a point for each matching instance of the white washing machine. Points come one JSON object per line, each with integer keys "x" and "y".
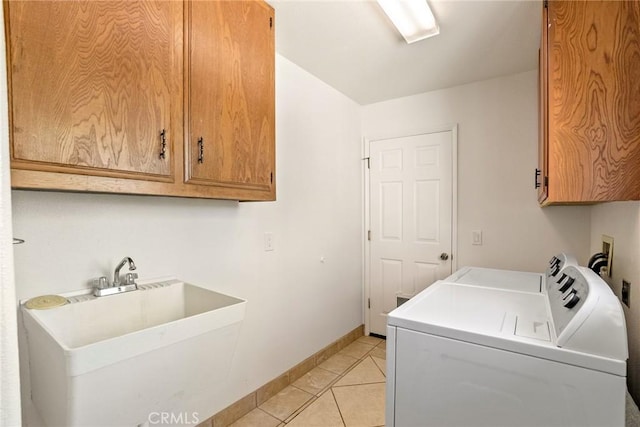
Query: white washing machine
{"x": 475, "y": 355}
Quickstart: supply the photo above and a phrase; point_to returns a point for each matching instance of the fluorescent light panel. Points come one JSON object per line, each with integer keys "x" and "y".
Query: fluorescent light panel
{"x": 413, "y": 18}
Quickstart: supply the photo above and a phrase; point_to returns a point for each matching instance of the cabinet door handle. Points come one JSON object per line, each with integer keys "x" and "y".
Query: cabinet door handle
{"x": 200, "y": 150}
{"x": 537, "y": 176}
{"x": 163, "y": 143}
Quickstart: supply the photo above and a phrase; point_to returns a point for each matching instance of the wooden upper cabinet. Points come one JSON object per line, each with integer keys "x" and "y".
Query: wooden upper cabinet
{"x": 541, "y": 176}
{"x": 230, "y": 125}
{"x": 91, "y": 86}
{"x": 161, "y": 97}
{"x": 593, "y": 100}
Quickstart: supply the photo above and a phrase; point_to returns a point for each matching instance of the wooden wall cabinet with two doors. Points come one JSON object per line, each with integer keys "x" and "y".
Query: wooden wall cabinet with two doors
{"x": 589, "y": 102}
{"x": 143, "y": 97}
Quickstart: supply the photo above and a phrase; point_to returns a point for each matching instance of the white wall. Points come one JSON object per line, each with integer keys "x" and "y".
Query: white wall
{"x": 621, "y": 220}
{"x": 296, "y": 304}
{"x": 497, "y": 155}
{"x": 9, "y": 376}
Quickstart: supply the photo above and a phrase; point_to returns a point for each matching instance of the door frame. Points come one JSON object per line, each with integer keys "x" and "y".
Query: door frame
{"x": 366, "y": 244}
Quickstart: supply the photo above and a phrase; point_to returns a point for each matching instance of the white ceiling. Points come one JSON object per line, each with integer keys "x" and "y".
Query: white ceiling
{"x": 352, "y": 46}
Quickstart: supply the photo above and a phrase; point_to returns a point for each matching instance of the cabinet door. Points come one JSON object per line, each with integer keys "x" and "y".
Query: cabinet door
{"x": 541, "y": 178}
{"x": 594, "y": 108}
{"x": 231, "y": 95}
{"x": 91, "y": 85}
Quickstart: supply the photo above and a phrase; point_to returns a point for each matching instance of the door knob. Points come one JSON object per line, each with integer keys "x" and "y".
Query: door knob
{"x": 444, "y": 256}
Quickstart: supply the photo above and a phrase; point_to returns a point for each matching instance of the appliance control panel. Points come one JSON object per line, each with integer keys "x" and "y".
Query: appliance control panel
{"x": 557, "y": 264}
{"x": 567, "y": 293}
{"x": 582, "y": 306}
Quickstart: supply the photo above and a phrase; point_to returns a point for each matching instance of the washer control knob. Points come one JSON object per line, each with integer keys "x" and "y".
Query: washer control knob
{"x": 573, "y": 300}
{"x": 567, "y": 284}
{"x": 564, "y": 276}
{"x": 567, "y": 295}
{"x": 555, "y": 270}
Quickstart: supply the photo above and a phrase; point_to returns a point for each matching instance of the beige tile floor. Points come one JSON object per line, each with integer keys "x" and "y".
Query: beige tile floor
{"x": 345, "y": 390}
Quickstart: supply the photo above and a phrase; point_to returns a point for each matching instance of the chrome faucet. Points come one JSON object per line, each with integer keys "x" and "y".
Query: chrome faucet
{"x": 101, "y": 286}
{"x": 116, "y": 272}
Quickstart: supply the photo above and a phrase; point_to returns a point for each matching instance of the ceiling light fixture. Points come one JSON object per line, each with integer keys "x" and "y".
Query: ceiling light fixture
{"x": 413, "y": 18}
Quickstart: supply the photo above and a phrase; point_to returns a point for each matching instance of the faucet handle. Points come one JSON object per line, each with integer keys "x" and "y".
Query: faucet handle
{"x": 100, "y": 283}
{"x": 130, "y": 278}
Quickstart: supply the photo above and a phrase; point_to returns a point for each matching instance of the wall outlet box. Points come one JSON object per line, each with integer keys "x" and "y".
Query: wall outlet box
{"x": 607, "y": 248}
{"x": 625, "y": 294}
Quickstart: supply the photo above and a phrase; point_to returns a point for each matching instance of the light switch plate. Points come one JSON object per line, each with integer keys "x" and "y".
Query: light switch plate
{"x": 269, "y": 243}
{"x": 476, "y": 237}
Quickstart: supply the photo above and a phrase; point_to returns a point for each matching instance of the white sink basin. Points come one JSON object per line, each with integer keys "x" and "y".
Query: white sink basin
{"x": 118, "y": 359}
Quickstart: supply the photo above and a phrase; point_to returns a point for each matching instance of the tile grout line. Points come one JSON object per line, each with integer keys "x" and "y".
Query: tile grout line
{"x": 384, "y": 374}
{"x": 267, "y": 413}
{"x": 327, "y": 388}
{"x": 346, "y": 372}
{"x": 356, "y": 385}
{"x": 298, "y": 411}
{"x": 344, "y": 423}
{"x": 330, "y": 386}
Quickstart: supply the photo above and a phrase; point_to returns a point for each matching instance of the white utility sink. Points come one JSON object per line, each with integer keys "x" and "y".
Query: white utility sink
{"x": 123, "y": 359}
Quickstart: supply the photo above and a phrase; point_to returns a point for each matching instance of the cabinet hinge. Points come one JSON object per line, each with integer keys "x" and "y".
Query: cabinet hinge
{"x": 368, "y": 159}
{"x": 369, "y": 235}
{"x": 272, "y": 177}
{"x": 270, "y": 22}
{"x": 369, "y": 302}
{"x": 546, "y": 4}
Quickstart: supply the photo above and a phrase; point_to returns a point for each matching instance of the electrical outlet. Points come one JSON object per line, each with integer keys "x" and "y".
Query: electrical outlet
{"x": 607, "y": 248}
{"x": 625, "y": 294}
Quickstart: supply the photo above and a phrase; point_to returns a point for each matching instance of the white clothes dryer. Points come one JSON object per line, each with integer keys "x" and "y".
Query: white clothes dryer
{"x": 513, "y": 280}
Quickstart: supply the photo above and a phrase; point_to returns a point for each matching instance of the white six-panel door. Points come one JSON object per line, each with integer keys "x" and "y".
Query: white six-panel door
{"x": 410, "y": 218}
